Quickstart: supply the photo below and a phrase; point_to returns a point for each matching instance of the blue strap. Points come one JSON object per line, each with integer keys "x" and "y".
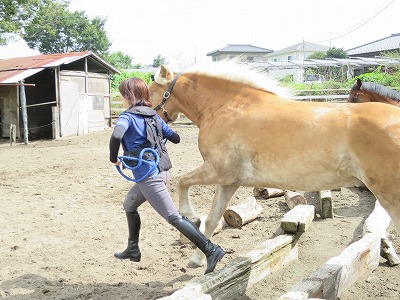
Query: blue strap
{"x": 153, "y": 170}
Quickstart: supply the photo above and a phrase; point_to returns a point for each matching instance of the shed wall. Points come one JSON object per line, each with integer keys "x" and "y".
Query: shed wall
{"x": 8, "y": 110}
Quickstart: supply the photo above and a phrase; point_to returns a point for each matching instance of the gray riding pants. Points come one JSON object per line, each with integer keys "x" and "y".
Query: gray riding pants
{"x": 155, "y": 191}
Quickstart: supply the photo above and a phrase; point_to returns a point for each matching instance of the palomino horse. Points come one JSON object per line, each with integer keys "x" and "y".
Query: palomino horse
{"x": 373, "y": 92}
{"x": 250, "y": 135}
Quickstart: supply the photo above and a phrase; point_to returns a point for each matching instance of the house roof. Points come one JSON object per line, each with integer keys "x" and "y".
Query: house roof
{"x": 303, "y": 46}
{"x": 13, "y": 70}
{"x": 385, "y": 44}
{"x": 333, "y": 62}
{"x": 240, "y": 48}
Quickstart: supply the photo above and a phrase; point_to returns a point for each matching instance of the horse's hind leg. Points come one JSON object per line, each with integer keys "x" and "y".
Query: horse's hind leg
{"x": 222, "y": 196}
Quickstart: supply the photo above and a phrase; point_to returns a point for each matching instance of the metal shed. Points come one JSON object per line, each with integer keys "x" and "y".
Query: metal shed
{"x": 55, "y": 95}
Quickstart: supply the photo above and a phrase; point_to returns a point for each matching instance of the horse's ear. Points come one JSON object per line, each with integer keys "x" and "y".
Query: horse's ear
{"x": 358, "y": 83}
{"x": 163, "y": 72}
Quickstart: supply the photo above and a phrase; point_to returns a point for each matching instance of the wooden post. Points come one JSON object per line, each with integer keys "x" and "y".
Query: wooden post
{"x": 325, "y": 200}
{"x": 13, "y": 134}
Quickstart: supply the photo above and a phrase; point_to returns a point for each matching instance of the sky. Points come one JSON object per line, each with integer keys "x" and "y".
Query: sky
{"x": 184, "y": 31}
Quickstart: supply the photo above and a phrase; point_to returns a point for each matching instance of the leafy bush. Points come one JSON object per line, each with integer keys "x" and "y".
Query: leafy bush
{"x": 116, "y": 79}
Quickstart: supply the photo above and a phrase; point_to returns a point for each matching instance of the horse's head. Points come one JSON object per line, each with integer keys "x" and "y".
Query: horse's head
{"x": 357, "y": 95}
{"x": 161, "y": 94}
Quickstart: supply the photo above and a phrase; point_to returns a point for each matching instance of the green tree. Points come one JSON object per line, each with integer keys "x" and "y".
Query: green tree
{"x": 13, "y": 16}
{"x": 159, "y": 60}
{"x": 119, "y": 60}
{"x": 336, "y": 53}
{"x": 54, "y": 29}
{"x": 317, "y": 55}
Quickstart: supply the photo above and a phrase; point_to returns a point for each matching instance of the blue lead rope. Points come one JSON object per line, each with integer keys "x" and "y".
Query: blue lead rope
{"x": 153, "y": 170}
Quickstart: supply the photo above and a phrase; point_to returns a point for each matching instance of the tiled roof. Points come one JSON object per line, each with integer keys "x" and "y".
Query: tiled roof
{"x": 303, "y": 46}
{"x": 13, "y": 70}
{"x": 240, "y": 48}
{"x": 386, "y": 44}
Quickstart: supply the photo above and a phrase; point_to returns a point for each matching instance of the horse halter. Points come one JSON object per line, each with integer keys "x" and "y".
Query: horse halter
{"x": 165, "y": 98}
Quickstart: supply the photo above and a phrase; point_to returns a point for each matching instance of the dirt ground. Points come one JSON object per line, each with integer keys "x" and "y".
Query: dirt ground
{"x": 61, "y": 220}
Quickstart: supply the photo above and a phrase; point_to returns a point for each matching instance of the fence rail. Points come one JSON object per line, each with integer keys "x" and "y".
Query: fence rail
{"x": 115, "y": 111}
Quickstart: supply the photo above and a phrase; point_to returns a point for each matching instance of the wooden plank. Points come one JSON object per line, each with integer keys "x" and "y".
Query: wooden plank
{"x": 340, "y": 272}
{"x": 377, "y": 223}
{"x": 298, "y": 219}
{"x": 242, "y": 272}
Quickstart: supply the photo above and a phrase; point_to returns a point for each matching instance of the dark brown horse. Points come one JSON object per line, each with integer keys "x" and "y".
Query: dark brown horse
{"x": 373, "y": 92}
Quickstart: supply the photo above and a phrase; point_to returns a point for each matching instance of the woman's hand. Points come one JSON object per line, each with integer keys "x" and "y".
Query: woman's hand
{"x": 118, "y": 163}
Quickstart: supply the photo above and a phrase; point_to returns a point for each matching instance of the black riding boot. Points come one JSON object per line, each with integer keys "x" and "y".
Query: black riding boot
{"x": 214, "y": 253}
{"x": 132, "y": 251}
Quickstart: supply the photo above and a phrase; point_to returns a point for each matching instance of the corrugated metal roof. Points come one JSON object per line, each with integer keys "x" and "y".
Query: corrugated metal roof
{"x": 240, "y": 48}
{"x": 386, "y": 44}
{"x": 13, "y": 70}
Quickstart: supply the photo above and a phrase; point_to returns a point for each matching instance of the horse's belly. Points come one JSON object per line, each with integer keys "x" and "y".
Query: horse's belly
{"x": 309, "y": 175}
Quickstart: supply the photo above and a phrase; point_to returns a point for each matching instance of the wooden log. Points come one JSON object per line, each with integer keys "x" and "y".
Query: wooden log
{"x": 377, "y": 223}
{"x": 294, "y": 198}
{"x": 241, "y": 273}
{"x": 238, "y": 215}
{"x": 268, "y": 192}
{"x": 340, "y": 272}
{"x": 298, "y": 219}
{"x": 325, "y": 200}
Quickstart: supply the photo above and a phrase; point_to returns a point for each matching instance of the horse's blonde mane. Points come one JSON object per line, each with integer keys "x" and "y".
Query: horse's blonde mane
{"x": 233, "y": 71}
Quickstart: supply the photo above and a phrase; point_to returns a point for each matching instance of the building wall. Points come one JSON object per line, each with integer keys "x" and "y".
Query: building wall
{"x": 244, "y": 57}
{"x": 84, "y": 102}
{"x": 8, "y": 110}
{"x": 295, "y": 55}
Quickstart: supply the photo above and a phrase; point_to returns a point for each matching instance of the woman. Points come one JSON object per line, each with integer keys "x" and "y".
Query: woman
{"x": 137, "y": 128}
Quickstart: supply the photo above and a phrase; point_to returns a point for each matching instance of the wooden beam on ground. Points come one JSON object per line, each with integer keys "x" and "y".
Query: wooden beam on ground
{"x": 298, "y": 219}
{"x": 238, "y": 215}
{"x": 242, "y": 272}
{"x": 325, "y": 200}
{"x": 377, "y": 223}
{"x": 340, "y": 272}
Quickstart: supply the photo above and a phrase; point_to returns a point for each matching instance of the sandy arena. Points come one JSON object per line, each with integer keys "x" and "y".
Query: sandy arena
{"x": 62, "y": 219}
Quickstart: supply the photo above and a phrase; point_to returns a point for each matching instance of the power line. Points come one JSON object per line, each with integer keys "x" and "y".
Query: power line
{"x": 348, "y": 31}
